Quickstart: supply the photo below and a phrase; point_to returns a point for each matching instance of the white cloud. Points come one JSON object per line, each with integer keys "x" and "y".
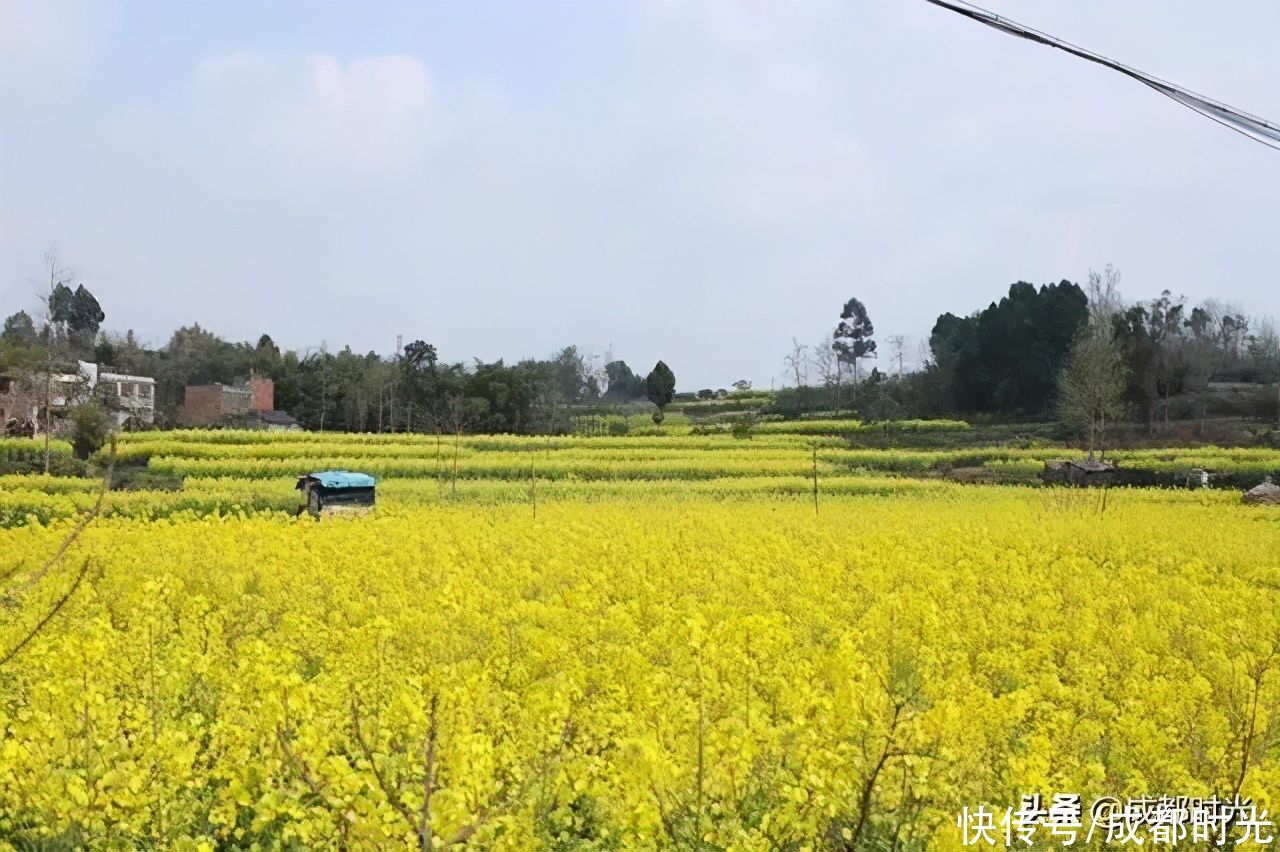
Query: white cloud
{"x": 308, "y": 114}
{"x": 45, "y": 45}
{"x": 378, "y": 85}
{"x": 239, "y": 64}
{"x": 748, "y": 164}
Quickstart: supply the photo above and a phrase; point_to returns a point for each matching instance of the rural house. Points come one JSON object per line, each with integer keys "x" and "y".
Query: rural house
{"x": 124, "y": 396}
{"x": 250, "y": 405}
{"x": 22, "y": 397}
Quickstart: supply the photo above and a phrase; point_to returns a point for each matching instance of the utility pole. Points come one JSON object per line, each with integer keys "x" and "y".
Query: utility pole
{"x": 48, "y": 392}
{"x": 533, "y": 485}
{"x": 57, "y": 278}
{"x": 324, "y": 389}
{"x": 815, "y": 479}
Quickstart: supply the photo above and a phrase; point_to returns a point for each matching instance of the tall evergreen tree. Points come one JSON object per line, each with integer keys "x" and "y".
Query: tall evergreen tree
{"x": 660, "y": 387}
{"x": 853, "y": 340}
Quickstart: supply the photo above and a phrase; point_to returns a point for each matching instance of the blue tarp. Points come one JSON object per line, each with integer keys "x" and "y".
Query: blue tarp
{"x": 344, "y": 479}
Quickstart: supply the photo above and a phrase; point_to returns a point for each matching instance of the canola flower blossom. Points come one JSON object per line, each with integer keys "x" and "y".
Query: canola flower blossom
{"x": 632, "y": 668}
{"x": 202, "y": 453}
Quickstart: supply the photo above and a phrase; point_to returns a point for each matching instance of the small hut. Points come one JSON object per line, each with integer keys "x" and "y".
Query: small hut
{"x": 1266, "y": 494}
{"x": 1079, "y": 472}
{"x": 336, "y": 492}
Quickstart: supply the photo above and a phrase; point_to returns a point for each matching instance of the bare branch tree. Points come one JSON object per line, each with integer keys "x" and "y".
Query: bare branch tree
{"x": 897, "y": 350}
{"x": 1091, "y": 387}
{"x": 1103, "y": 290}
{"x": 796, "y": 363}
{"x": 829, "y": 368}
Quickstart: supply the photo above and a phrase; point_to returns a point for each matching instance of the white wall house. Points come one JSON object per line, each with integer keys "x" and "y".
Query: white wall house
{"x": 128, "y": 396}
{"x": 122, "y": 395}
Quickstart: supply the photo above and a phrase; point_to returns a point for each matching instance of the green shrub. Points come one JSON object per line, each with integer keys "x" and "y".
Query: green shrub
{"x": 90, "y": 427}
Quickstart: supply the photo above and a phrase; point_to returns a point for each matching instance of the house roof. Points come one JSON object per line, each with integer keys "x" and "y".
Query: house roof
{"x": 275, "y": 418}
{"x": 342, "y": 479}
{"x": 124, "y": 377}
{"x": 1268, "y": 490}
{"x": 1090, "y": 466}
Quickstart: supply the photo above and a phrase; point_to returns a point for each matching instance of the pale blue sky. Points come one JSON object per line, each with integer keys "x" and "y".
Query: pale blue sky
{"x": 697, "y": 182}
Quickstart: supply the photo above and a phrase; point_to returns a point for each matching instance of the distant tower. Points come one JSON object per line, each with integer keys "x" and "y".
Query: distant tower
{"x": 399, "y": 344}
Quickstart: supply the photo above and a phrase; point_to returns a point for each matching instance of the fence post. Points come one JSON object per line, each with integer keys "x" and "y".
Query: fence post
{"x": 815, "y": 479}
{"x": 533, "y": 485}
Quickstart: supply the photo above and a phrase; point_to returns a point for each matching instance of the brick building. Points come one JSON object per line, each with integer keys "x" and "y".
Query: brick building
{"x": 205, "y": 405}
{"x": 264, "y": 394}
{"x": 250, "y": 404}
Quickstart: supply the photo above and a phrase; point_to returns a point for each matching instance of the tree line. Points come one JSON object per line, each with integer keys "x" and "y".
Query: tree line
{"x": 344, "y": 390}
{"x": 1078, "y": 354}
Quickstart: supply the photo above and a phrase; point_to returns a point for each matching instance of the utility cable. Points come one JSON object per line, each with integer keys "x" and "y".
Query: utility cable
{"x": 1258, "y": 129}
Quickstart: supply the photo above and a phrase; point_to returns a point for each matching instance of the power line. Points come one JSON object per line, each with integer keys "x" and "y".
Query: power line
{"x": 1258, "y": 129}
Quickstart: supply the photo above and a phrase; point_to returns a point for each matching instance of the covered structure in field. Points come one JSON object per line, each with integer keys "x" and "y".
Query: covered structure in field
{"x": 1266, "y": 494}
{"x": 336, "y": 491}
{"x": 1079, "y": 472}
{"x": 270, "y": 421}
{"x": 248, "y": 405}
{"x": 1087, "y": 472}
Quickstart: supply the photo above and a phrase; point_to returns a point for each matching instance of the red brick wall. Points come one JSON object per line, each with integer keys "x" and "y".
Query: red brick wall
{"x": 264, "y": 395}
{"x": 201, "y": 405}
{"x": 236, "y": 400}
{"x": 204, "y": 405}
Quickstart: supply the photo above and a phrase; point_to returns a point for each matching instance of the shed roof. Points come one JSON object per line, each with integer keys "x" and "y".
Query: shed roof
{"x": 343, "y": 479}
{"x": 1090, "y": 466}
{"x": 275, "y": 418}
{"x": 1267, "y": 492}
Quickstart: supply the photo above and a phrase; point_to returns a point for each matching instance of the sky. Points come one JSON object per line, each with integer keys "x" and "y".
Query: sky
{"x": 699, "y": 182}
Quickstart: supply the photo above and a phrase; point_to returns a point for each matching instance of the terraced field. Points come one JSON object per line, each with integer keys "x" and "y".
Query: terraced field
{"x": 241, "y": 472}
{"x": 660, "y": 641}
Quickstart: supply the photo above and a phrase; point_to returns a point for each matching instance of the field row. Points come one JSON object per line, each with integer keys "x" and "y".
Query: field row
{"x": 668, "y": 431}
{"x": 134, "y": 451}
{"x": 741, "y": 674}
{"x": 20, "y": 449}
{"x": 26, "y": 500}
{"x": 45, "y": 500}
{"x": 596, "y": 462}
